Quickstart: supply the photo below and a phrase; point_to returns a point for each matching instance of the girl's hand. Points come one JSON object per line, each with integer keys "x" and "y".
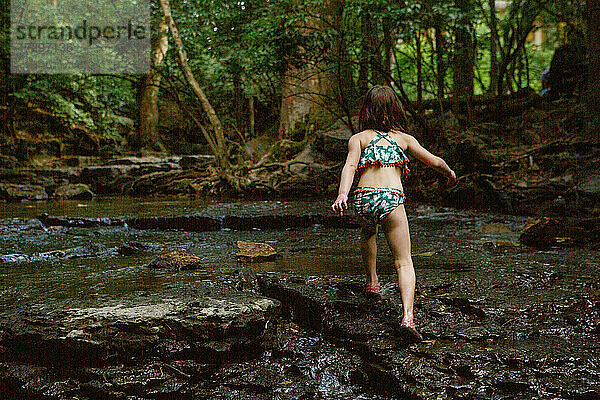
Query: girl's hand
{"x": 339, "y": 204}
{"x": 451, "y": 178}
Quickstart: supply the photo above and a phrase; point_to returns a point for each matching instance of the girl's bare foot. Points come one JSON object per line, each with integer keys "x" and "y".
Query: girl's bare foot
{"x": 409, "y": 323}
{"x": 373, "y": 287}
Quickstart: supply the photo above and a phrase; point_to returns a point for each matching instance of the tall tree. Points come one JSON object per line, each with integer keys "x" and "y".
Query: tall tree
{"x": 439, "y": 57}
{"x": 301, "y": 79}
{"x": 493, "y": 44}
{"x": 464, "y": 52}
{"x": 147, "y": 131}
{"x": 593, "y": 51}
{"x": 319, "y": 78}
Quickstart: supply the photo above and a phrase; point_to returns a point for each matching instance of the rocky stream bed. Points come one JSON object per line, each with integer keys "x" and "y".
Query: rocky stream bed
{"x": 87, "y": 311}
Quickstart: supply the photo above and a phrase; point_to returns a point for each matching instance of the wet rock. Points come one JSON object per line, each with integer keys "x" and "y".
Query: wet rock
{"x": 16, "y": 192}
{"x": 101, "y": 178}
{"x": 494, "y": 227}
{"x": 73, "y": 192}
{"x": 255, "y": 252}
{"x": 196, "y": 161}
{"x": 132, "y": 248}
{"x": 279, "y": 221}
{"x": 189, "y": 223}
{"x": 590, "y": 186}
{"x": 195, "y": 223}
{"x": 177, "y": 260}
{"x": 475, "y": 192}
{"x": 114, "y": 351}
{"x": 48, "y": 220}
{"x": 210, "y": 329}
{"x": 340, "y": 309}
{"x": 86, "y": 251}
{"x": 464, "y": 305}
{"x": 547, "y": 232}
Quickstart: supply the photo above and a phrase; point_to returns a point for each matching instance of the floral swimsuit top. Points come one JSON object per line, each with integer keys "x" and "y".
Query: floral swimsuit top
{"x": 390, "y": 155}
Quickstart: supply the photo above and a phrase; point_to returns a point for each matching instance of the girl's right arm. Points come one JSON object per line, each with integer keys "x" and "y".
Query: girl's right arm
{"x": 433, "y": 161}
{"x": 347, "y": 175}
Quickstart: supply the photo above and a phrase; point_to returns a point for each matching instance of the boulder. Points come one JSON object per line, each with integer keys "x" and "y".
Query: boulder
{"x": 305, "y": 160}
{"x": 547, "y": 232}
{"x": 475, "y": 191}
{"x": 16, "y": 192}
{"x": 255, "y": 252}
{"x": 178, "y": 260}
{"x": 469, "y": 158}
{"x": 333, "y": 142}
{"x": 101, "y": 179}
{"x": 69, "y": 191}
{"x": 590, "y": 186}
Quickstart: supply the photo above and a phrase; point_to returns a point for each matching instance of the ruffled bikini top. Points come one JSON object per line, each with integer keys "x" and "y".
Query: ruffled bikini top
{"x": 390, "y": 155}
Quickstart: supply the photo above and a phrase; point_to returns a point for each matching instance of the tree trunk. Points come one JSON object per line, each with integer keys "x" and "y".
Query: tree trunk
{"x": 147, "y": 132}
{"x": 338, "y": 83}
{"x": 363, "y": 68}
{"x": 419, "y": 70}
{"x": 316, "y": 86}
{"x": 387, "y": 55}
{"x": 217, "y": 140}
{"x": 238, "y": 100}
{"x": 251, "y": 112}
{"x": 493, "y": 50}
{"x": 593, "y": 55}
{"x": 375, "y": 59}
{"x": 439, "y": 57}
{"x": 464, "y": 57}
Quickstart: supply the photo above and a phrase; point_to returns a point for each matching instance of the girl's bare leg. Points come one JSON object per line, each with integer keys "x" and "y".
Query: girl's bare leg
{"x": 368, "y": 249}
{"x": 395, "y": 226}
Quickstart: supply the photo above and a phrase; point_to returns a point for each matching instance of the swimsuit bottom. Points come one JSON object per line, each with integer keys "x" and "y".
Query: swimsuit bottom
{"x": 375, "y": 203}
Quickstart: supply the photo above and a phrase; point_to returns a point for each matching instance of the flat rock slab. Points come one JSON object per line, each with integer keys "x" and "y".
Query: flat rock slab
{"x": 198, "y": 223}
{"x": 214, "y": 329}
{"x": 255, "y": 252}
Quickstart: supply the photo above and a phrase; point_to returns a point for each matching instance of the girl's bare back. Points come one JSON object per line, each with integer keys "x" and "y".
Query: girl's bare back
{"x": 375, "y": 176}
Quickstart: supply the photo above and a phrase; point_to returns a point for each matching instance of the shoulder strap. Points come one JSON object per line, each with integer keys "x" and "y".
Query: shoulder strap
{"x": 377, "y": 136}
{"x": 389, "y": 138}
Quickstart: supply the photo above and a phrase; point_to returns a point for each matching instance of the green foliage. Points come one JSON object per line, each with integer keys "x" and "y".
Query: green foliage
{"x": 88, "y": 101}
{"x": 254, "y": 42}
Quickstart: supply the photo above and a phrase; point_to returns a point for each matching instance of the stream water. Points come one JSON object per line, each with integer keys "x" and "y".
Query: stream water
{"x": 475, "y": 254}
{"x": 447, "y": 245}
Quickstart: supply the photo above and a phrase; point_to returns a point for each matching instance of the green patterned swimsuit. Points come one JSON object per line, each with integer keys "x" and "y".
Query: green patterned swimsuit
{"x": 375, "y": 203}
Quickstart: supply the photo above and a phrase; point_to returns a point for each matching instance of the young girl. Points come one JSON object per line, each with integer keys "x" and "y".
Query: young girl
{"x": 378, "y": 154}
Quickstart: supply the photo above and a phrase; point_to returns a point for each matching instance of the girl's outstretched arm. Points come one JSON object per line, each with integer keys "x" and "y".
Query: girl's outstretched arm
{"x": 347, "y": 175}
{"x": 433, "y": 161}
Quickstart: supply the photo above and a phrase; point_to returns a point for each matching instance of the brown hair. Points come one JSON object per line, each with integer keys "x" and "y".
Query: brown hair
{"x": 382, "y": 110}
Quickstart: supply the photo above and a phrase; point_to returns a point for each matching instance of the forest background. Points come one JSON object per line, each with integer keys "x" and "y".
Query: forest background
{"x": 259, "y": 98}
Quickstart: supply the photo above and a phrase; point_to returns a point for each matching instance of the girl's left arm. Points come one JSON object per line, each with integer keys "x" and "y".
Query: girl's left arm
{"x": 433, "y": 161}
{"x": 347, "y": 175}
